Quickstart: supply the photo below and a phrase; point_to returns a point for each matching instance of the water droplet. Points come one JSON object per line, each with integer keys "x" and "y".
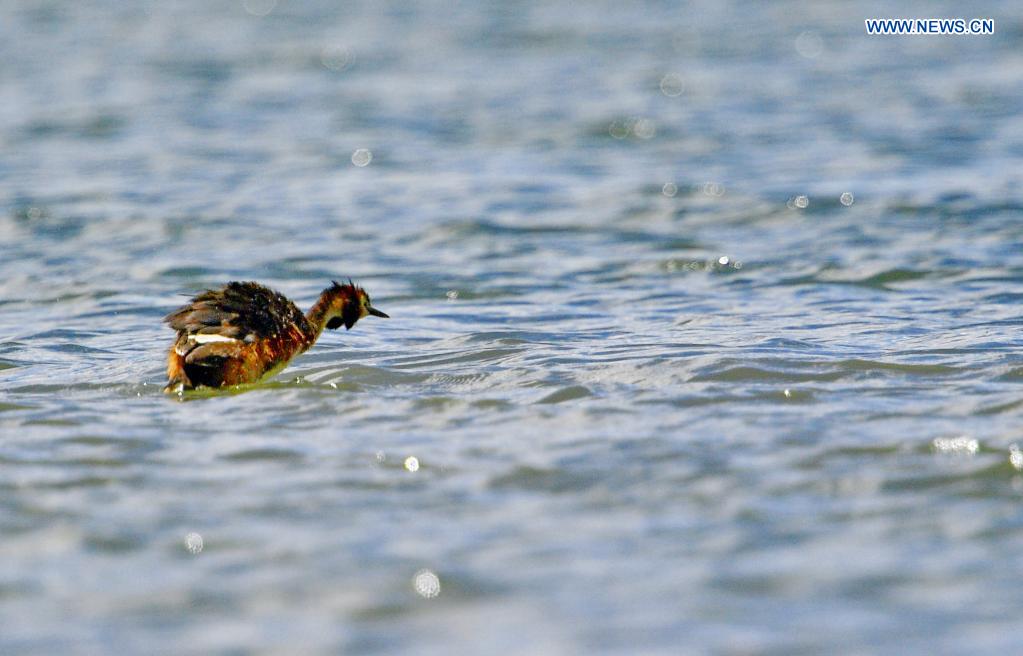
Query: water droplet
{"x": 34, "y": 213}
{"x": 1015, "y": 457}
{"x": 802, "y": 202}
{"x": 669, "y": 189}
{"x": 714, "y": 189}
{"x": 644, "y": 128}
{"x": 961, "y": 444}
{"x": 259, "y": 7}
{"x": 846, "y": 199}
{"x": 618, "y": 129}
{"x": 809, "y": 44}
{"x": 672, "y": 85}
{"x": 334, "y": 385}
{"x": 193, "y": 542}
{"x": 381, "y": 456}
{"x": 787, "y": 393}
{"x": 452, "y": 294}
{"x": 723, "y": 260}
{"x": 737, "y": 265}
{"x": 336, "y": 58}
{"x": 362, "y": 157}
{"x": 426, "y": 584}
{"x": 412, "y": 463}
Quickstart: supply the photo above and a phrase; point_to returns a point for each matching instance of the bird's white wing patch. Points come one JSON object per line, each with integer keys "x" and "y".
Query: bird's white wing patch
{"x": 208, "y": 338}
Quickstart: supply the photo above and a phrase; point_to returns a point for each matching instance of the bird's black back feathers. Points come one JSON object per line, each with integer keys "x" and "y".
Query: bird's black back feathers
{"x": 238, "y": 310}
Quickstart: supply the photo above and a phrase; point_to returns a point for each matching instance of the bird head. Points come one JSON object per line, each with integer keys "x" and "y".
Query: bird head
{"x": 348, "y": 304}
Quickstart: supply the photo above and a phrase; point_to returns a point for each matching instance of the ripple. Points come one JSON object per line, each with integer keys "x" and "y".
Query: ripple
{"x": 557, "y": 481}
{"x": 264, "y": 454}
{"x": 738, "y": 374}
{"x": 440, "y": 360}
{"x": 570, "y": 393}
{"x": 900, "y": 367}
{"x": 882, "y": 280}
{"x": 113, "y": 544}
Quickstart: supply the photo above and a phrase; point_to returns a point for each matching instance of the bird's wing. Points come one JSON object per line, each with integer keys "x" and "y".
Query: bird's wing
{"x": 242, "y": 311}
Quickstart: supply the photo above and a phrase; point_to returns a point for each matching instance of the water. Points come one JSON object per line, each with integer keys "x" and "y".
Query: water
{"x": 607, "y": 416}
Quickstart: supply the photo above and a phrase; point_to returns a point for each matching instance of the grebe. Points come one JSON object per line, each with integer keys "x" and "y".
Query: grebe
{"x": 244, "y": 332}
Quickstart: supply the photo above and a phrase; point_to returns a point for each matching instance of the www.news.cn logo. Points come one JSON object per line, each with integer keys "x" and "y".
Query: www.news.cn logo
{"x": 945, "y": 26}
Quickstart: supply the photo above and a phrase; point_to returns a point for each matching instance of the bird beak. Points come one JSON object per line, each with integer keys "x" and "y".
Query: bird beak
{"x": 377, "y": 313}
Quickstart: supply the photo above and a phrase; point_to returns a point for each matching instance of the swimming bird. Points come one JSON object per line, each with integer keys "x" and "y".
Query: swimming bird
{"x": 245, "y": 332}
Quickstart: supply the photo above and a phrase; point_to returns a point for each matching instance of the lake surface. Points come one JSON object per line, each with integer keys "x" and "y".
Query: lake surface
{"x": 652, "y": 383}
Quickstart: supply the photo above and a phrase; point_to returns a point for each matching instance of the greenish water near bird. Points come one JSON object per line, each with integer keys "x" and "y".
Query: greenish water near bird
{"x": 651, "y": 383}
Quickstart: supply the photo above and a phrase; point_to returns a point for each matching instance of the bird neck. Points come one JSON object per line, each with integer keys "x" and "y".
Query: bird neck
{"x": 330, "y": 306}
{"x": 319, "y": 314}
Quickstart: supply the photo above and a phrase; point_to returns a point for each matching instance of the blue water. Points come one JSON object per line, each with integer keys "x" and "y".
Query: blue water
{"x": 650, "y": 384}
